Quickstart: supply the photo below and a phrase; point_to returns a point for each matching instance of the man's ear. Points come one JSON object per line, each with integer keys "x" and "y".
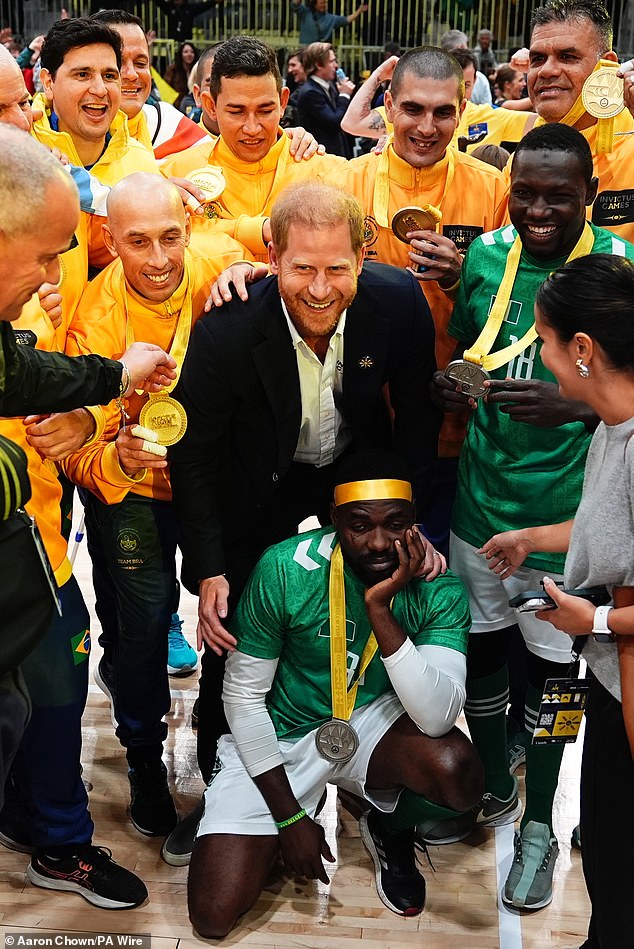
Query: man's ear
{"x": 208, "y": 104}
{"x": 591, "y": 192}
{"x": 388, "y": 102}
{"x": 284, "y": 94}
{"x": 47, "y": 83}
{"x": 273, "y": 259}
{"x": 109, "y": 240}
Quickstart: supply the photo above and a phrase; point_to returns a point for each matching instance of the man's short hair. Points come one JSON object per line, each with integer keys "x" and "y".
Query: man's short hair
{"x": 316, "y": 205}
{"x": 555, "y": 137}
{"x": 243, "y": 56}
{"x": 428, "y": 62}
{"x": 208, "y": 53}
{"x": 370, "y": 465}
{"x": 454, "y": 39}
{"x": 562, "y": 11}
{"x": 27, "y": 169}
{"x": 466, "y": 58}
{"x": 69, "y": 34}
{"x": 315, "y": 55}
{"x": 118, "y": 18}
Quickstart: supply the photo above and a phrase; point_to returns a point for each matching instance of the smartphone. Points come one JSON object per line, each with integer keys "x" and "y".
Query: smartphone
{"x": 534, "y": 600}
{"x": 341, "y": 76}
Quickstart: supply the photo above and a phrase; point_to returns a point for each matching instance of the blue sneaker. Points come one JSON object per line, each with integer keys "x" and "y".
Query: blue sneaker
{"x": 181, "y": 658}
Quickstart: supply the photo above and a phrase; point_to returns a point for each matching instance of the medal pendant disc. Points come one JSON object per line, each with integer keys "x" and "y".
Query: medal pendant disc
{"x": 165, "y": 416}
{"x": 602, "y": 94}
{"x": 210, "y": 180}
{"x": 469, "y": 376}
{"x": 415, "y": 219}
{"x": 336, "y": 740}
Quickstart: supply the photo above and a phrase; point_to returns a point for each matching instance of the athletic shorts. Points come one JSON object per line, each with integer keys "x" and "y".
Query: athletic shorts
{"x": 234, "y": 805}
{"x": 489, "y": 601}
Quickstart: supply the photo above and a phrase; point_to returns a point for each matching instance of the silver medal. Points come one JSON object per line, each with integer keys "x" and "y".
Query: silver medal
{"x": 336, "y": 740}
{"x": 469, "y": 376}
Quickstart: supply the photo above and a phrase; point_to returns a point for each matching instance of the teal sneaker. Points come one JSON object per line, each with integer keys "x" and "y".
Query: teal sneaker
{"x": 181, "y": 658}
{"x": 530, "y": 882}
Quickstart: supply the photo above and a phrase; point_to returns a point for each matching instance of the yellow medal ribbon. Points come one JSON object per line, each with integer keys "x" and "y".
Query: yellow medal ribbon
{"x": 605, "y": 127}
{"x": 381, "y": 196}
{"x": 343, "y": 699}
{"x": 182, "y": 330}
{"x": 479, "y": 352}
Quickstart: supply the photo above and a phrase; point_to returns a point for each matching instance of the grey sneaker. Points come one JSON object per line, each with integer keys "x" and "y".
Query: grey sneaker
{"x": 530, "y": 882}
{"x": 497, "y": 811}
{"x": 491, "y": 812}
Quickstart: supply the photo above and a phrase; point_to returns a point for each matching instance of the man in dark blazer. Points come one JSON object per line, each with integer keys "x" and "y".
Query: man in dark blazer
{"x": 322, "y": 102}
{"x": 276, "y": 388}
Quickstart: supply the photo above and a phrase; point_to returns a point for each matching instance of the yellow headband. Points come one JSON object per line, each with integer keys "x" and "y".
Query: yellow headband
{"x": 378, "y": 489}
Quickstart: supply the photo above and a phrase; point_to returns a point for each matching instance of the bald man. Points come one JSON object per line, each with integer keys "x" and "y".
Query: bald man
{"x": 15, "y": 101}
{"x": 153, "y": 290}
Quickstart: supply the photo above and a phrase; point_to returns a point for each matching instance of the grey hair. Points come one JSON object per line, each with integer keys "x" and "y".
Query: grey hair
{"x": 27, "y": 170}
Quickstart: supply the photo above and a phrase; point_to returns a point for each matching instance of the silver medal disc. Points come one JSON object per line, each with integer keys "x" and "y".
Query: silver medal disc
{"x": 336, "y": 740}
{"x": 469, "y": 376}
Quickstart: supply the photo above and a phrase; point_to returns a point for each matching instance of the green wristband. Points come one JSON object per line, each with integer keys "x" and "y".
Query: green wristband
{"x": 281, "y": 824}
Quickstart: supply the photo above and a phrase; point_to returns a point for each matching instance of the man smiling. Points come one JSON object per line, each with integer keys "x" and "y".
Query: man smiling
{"x": 523, "y": 459}
{"x": 154, "y": 289}
{"x": 312, "y": 349}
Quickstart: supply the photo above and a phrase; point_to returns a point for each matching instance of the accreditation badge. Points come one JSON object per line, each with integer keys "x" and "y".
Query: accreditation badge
{"x": 561, "y": 711}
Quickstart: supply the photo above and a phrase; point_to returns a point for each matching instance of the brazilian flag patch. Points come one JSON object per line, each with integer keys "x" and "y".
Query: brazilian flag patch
{"x": 80, "y": 645}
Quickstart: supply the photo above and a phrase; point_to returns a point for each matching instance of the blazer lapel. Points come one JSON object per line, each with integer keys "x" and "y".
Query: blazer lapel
{"x": 276, "y": 365}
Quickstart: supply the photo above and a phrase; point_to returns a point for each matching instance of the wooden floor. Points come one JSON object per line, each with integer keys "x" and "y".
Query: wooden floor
{"x": 462, "y": 909}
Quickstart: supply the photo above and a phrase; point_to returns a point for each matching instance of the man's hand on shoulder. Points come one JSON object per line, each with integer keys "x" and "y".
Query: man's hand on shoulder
{"x": 237, "y": 277}
{"x": 213, "y": 598}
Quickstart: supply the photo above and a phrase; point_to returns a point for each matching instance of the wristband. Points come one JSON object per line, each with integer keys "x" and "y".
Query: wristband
{"x": 600, "y": 629}
{"x": 290, "y": 820}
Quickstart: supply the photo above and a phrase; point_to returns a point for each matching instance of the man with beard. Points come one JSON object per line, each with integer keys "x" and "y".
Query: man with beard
{"x": 275, "y": 389}
{"x": 315, "y": 612}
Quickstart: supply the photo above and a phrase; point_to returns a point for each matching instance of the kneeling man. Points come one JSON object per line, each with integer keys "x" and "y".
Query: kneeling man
{"x": 348, "y": 670}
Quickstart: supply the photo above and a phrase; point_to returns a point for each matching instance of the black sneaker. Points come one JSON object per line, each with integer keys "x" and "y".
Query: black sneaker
{"x": 104, "y": 678}
{"x": 177, "y": 849}
{"x": 15, "y": 826}
{"x": 92, "y": 873}
{"x": 399, "y": 883}
{"x": 152, "y": 809}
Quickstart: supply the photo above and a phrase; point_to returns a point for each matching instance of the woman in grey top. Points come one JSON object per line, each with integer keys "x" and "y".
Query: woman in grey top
{"x": 584, "y": 314}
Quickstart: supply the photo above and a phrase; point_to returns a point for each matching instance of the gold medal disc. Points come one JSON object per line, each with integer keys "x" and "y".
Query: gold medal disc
{"x": 165, "y": 416}
{"x": 469, "y": 376}
{"x": 602, "y": 93}
{"x": 415, "y": 219}
{"x": 210, "y": 180}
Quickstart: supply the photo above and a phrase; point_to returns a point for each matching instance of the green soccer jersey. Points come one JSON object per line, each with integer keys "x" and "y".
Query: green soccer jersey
{"x": 512, "y": 474}
{"x": 283, "y": 614}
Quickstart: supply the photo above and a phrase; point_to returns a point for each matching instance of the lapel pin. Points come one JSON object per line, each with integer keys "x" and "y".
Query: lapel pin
{"x": 366, "y": 362}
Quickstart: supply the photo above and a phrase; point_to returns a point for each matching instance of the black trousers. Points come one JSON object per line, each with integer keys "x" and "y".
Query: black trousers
{"x": 304, "y": 491}
{"x": 607, "y": 822}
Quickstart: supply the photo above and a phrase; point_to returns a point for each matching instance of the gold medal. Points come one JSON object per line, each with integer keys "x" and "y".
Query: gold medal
{"x": 209, "y": 179}
{"x": 602, "y": 93}
{"x": 469, "y": 376}
{"x": 336, "y": 740}
{"x": 164, "y": 416}
{"x": 426, "y": 218}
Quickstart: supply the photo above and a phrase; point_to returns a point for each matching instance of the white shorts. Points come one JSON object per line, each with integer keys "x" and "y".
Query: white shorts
{"x": 234, "y": 805}
{"x": 489, "y": 601}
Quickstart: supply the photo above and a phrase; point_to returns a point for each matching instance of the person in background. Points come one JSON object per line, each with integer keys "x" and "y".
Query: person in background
{"x": 456, "y": 39}
{"x": 177, "y": 73}
{"x": 323, "y": 99}
{"x": 487, "y": 62}
{"x": 181, "y": 15}
{"x": 316, "y": 24}
{"x": 510, "y": 84}
{"x": 583, "y": 314}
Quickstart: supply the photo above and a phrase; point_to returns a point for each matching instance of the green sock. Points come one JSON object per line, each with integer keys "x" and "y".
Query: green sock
{"x": 413, "y": 809}
{"x": 485, "y": 711}
{"x": 542, "y": 769}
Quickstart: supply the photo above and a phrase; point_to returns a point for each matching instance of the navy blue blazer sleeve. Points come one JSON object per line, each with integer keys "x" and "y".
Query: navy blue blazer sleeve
{"x": 314, "y": 104}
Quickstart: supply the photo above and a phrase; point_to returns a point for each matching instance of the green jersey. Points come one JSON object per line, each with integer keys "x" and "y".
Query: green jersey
{"x": 512, "y": 474}
{"x": 283, "y": 614}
